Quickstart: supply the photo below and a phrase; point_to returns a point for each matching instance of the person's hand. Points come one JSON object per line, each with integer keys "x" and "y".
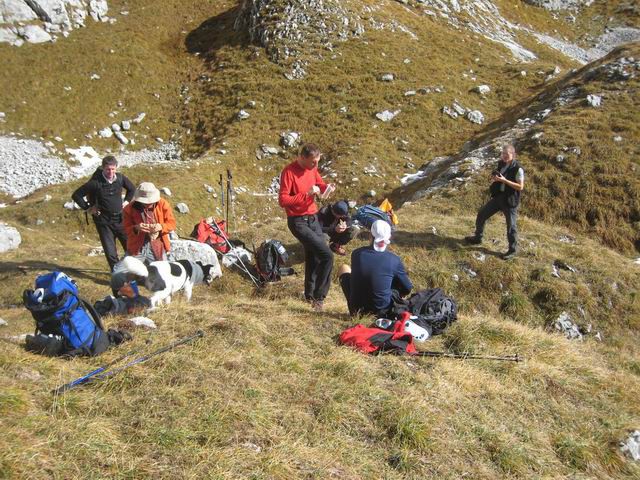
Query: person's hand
{"x": 315, "y": 190}
{"x": 143, "y": 227}
{"x": 93, "y": 210}
{"x": 155, "y": 228}
{"x": 499, "y": 178}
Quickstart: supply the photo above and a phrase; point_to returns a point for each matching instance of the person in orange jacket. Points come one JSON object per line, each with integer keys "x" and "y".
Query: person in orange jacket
{"x": 148, "y": 219}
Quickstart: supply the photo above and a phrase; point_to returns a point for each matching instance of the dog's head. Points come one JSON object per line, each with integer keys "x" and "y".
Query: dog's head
{"x": 207, "y": 272}
{"x": 154, "y": 281}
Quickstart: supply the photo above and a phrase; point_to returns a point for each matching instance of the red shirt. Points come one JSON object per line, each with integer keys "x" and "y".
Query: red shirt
{"x": 295, "y": 182}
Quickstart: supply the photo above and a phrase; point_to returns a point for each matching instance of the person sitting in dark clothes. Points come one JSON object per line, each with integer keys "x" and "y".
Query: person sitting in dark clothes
{"x": 335, "y": 222}
{"x": 374, "y": 272}
{"x": 103, "y": 193}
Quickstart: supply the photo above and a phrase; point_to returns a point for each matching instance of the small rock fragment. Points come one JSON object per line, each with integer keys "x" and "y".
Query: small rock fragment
{"x": 182, "y": 208}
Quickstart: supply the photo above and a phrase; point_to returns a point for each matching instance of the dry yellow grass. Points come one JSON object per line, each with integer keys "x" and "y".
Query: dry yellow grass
{"x": 267, "y": 393}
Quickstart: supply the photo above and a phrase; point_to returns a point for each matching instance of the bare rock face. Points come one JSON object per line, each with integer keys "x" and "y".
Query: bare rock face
{"x": 560, "y": 4}
{"x": 289, "y": 28}
{"x": 38, "y": 21}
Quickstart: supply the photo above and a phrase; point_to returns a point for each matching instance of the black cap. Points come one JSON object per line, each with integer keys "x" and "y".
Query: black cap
{"x": 340, "y": 208}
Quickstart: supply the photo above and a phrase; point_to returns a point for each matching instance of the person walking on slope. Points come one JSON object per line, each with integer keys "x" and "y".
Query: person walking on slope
{"x": 507, "y": 183}
{"x": 103, "y": 194}
{"x": 300, "y": 184}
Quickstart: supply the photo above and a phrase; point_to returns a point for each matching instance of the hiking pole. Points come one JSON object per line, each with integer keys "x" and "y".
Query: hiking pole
{"x": 465, "y": 355}
{"x": 221, "y": 195}
{"x": 141, "y": 359}
{"x": 85, "y": 378}
{"x": 229, "y": 198}
{"x": 244, "y": 268}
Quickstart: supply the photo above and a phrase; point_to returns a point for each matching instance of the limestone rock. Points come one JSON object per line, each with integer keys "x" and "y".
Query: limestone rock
{"x": 387, "y": 77}
{"x": 387, "y": 115}
{"x": 565, "y": 324}
{"x": 594, "y": 100}
{"x": 10, "y": 238}
{"x": 98, "y": 10}
{"x": 631, "y": 446}
{"x": 243, "y": 115}
{"x": 34, "y": 34}
{"x": 289, "y": 139}
{"x": 475, "y": 116}
{"x": 166, "y": 191}
{"x": 196, "y": 252}
{"x": 182, "y": 208}
{"x": 14, "y": 11}
{"x": 105, "y": 133}
{"x": 483, "y": 89}
{"x": 3, "y": 322}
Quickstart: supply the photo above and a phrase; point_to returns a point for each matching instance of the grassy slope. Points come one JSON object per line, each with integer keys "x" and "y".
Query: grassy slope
{"x": 269, "y": 376}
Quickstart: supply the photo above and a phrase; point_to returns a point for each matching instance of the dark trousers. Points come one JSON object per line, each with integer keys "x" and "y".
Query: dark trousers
{"x": 493, "y": 206}
{"x": 109, "y": 230}
{"x": 318, "y": 257}
{"x": 344, "y": 237}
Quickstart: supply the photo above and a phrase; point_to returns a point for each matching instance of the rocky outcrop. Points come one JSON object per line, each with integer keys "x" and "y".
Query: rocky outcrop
{"x": 560, "y": 4}
{"x": 289, "y": 30}
{"x": 38, "y": 21}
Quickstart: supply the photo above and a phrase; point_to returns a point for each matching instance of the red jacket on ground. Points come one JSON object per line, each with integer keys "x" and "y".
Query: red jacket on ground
{"x": 133, "y": 218}
{"x": 295, "y": 182}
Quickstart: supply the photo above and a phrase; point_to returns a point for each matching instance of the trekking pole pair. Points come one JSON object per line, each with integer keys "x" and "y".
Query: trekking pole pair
{"x": 218, "y": 231}
{"x": 101, "y": 372}
{"x": 230, "y": 194}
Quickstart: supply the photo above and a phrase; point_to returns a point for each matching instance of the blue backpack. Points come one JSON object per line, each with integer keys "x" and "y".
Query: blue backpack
{"x": 368, "y": 214}
{"x": 65, "y": 323}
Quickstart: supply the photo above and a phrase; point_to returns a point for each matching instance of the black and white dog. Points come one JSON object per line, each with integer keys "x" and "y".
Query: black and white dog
{"x": 163, "y": 278}
{"x": 166, "y": 278}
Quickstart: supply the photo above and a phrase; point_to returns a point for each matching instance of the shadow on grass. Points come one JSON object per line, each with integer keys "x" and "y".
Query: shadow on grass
{"x": 7, "y": 269}
{"x": 206, "y": 41}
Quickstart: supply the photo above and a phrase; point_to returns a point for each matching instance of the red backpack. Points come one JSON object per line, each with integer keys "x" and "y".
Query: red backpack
{"x": 376, "y": 340}
{"x": 215, "y": 236}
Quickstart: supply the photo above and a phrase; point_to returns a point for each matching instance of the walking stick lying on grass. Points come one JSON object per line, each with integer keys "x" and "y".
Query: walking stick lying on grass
{"x": 507, "y": 358}
{"x": 101, "y": 372}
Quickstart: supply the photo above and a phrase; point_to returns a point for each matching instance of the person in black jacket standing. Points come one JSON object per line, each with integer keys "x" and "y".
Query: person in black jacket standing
{"x": 507, "y": 183}
{"x": 103, "y": 193}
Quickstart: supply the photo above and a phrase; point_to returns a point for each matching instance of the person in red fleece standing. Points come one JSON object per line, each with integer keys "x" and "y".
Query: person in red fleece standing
{"x": 300, "y": 184}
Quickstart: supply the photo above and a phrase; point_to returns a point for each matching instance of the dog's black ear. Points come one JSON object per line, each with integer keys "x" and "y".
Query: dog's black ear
{"x": 200, "y": 263}
{"x": 154, "y": 281}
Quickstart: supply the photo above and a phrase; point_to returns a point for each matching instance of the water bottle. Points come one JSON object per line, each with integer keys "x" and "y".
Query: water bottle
{"x": 134, "y": 288}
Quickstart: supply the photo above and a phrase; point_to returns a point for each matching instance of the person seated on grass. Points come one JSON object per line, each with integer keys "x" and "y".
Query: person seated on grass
{"x": 335, "y": 221}
{"x": 374, "y": 272}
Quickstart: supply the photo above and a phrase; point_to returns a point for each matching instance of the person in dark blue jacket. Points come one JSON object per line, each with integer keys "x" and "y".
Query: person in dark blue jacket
{"x": 374, "y": 272}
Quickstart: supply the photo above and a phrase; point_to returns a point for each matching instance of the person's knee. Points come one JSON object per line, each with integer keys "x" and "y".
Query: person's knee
{"x": 344, "y": 269}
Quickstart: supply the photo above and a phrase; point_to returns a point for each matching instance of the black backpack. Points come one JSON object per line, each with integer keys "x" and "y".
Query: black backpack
{"x": 271, "y": 257}
{"x": 433, "y": 309}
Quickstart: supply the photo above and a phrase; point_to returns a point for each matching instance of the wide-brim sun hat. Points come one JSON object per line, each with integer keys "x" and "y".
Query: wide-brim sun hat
{"x": 381, "y": 232}
{"x": 146, "y": 193}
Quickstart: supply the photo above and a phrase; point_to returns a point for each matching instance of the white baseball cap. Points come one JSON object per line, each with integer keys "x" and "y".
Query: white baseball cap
{"x": 381, "y": 232}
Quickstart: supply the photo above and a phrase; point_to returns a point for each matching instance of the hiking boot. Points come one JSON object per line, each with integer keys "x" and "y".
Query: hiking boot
{"x": 473, "y": 240}
{"x": 317, "y": 305}
{"x": 510, "y": 254}
{"x": 337, "y": 248}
